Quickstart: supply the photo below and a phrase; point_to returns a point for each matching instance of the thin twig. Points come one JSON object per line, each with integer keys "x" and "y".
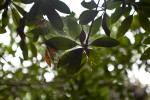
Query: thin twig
{"x": 87, "y": 40}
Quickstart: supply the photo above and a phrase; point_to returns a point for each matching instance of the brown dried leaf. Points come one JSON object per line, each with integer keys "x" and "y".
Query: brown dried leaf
{"x": 82, "y": 37}
{"x": 47, "y": 59}
{"x": 52, "y": 52}
{"x": 40, "y": 22}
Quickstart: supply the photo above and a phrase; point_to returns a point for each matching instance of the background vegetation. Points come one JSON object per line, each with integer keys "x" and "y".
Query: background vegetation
{"x": 88, "y": 57}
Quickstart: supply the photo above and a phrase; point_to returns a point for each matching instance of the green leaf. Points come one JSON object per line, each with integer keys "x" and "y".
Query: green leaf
{"x": 5, "y": 20}
{"x": 118, "y": 12}
{"x": 21, "y": 10}
{"x": 38, "y": 31}
{"x": 96, "y": 25}
{"x": 124, "y": 41}
{"x": 114, "y": 4}
{"x": 74, "y": 28}
{"x": 54, "y": 18}
{"x": 24, "y": 49}
{"x": 27, "y": 1}
{"x": 87, "y": 16}
{"x": 116, "y": 15}
{"x": 2, "y": 30}
{"x": 61, "y": 6}
{"x": 73, "y": 60}
{"x": 35, "y": 37}
{"x": 35, "y": 13}
{"x": 89, "y": 5}
{"x": 146, "y": 40}
{"x": 105, "y": 24}
{"x": 146, "y": 55}
{"x": 145, "y": 10}
{"x": 105, "y": 42}
{"x": 61, "y": 43}
{"x": 15, "y": 16}
{"x": 94, "y": 56}
{"x": 144, "y": 21}
{"x": 138, "y": 39}
{"x": 125, "y": 25}
{"x": 33, "y": 49}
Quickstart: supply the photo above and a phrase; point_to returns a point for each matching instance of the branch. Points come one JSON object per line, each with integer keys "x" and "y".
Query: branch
{"x": 87, "y": 40}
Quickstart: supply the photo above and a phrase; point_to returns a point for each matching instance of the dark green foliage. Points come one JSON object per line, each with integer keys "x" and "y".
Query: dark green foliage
{"x": 146, "y": 55}
{"x": 125, "y": 25}
{"x": 144, "y": 22}
{"x": 89, "y": 5}
{"x": 105, "y": 24}
{"x": 60, "y": 43}
{"x": 24, "y": 49}
{"x": 73, "y": 27}
{"x": 21, "y": 10}
{"x": 83, "y": 63}
{"x": 96, "y": 25}
{"x": 33, "y": 49}
{"x": 87, "y": 16}
{"x": 61, "y": 6}
{"x": 74, "y": 60}
{"x": 105, "y": 42}
{"x": 146, "y": 40}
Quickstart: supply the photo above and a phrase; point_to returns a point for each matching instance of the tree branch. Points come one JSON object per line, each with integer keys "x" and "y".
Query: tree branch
{"x": 87, "y": 40}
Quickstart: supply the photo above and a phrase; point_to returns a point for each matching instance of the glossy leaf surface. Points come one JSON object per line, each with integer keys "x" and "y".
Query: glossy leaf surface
{"x": 105, "y": 42}
{"x": 60, "y": 43}
{"x": 87, "y": 16}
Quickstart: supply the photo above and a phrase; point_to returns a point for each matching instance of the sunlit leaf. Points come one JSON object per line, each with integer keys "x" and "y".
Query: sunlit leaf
{"x": 15, "y": 16}
{"x": 96, "y": 25}
{"x": 60, "y": 43}
{"x": 105, "y": 25}
{"x": 90, "y": 5}
{"x": 105, "y": 42}
{"x": 138, "y": 39}
{"x": 146, "y": 55}
{"x": 125, "y": 25}
{"x": 87, "y": 16}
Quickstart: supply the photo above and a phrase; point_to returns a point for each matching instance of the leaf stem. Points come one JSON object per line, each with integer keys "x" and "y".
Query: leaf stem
{"x": 87, "y": 40}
